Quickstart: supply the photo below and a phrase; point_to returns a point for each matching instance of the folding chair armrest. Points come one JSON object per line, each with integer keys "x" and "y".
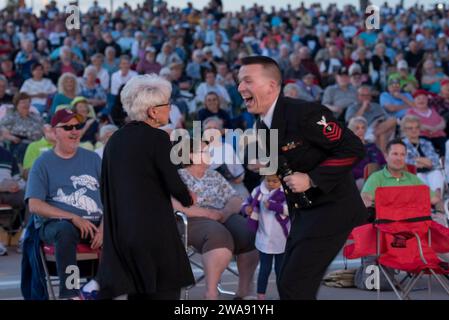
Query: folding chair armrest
{"x": 183, "y": 216}
{"x": 421, "y": 252}
{"x": 185, "y": 223}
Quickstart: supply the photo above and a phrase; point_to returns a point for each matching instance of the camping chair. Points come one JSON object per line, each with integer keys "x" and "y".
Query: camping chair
{"x": 8, "y": 218}
{"x": 86, "y": 258}
{"x": 404, "y": 238}
{"x": 191, "y": 252}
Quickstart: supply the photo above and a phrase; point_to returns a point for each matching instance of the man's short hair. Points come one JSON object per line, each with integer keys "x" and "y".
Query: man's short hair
{"x": 393, "y": 142}
{"x": 268, "y": 64}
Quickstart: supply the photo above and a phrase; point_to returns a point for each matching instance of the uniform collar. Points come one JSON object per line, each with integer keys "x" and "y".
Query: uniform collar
{"x": 268, "y": 117}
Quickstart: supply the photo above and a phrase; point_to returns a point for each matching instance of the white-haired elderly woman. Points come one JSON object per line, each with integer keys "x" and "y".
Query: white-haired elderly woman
{"x": 421, "y": 154}
{"x": 374, "y": 158}
{"x": 106, "y": 132}
{"x": 67, "y": 91}
{"x": 143, "y": 255}
{"x": 167, "y": 55}
{"x": 93, "y": 90}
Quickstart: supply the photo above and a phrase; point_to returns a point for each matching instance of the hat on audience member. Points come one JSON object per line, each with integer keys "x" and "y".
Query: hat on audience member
{"x": 343, "y": 71}
{"x": 444, "y": 82}
{"x": 355, "y": 69}
{"x": 393, "y": 80}
{"x": 402, "y": 64}
{"x": 79, "y": 99}
{"x": 420, "y": 92}
{"x": 64, "y": 116}
{"x": 207, "y": 49}
{"x": 150, "y": 49}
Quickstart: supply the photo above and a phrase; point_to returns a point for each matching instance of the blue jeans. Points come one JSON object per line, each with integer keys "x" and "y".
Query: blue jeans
{"x": 265, "y": 266}
{"x": 64, "y": 236}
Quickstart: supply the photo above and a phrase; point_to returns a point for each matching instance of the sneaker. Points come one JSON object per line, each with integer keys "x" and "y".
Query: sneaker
{"x": 3, "y": 250}
{"x": 89, "y": 291}
{"x": 84, "y": 295}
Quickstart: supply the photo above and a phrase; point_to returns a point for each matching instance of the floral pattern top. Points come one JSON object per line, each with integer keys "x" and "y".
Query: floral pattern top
{"x": 28, "y": 128}
{"x": 212, "y": 190}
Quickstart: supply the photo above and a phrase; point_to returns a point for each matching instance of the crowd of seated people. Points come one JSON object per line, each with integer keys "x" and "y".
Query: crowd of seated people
{"x": 386, "y": 84}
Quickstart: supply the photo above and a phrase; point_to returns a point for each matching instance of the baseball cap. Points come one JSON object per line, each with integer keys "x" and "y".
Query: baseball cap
{"x": 150, "y": 49}
{"x": 420, "y": 92}
{"x": 207, "y": 49}
{"x": 78, "y": 100}
{"x": 343, "y": 71}
{"x": 444, "y": 82}
{"x": 402, "y": 64}
{"x": 355, "y": 69}
{"x": 65, "y": 115}
{"x": 393, "y": 80}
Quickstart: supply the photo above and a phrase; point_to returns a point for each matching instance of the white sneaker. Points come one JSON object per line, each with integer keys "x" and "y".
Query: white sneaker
{"x": 3, "y": 250}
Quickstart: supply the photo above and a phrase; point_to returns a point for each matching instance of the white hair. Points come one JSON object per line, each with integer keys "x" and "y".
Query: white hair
{"x": 357, "y": 120}
{"x": 63, "y": 78}
{"x": 142, "y": 92}
{"x": 109, "y": 128}
{"x": 88, "y": 70}
{"x": 64, "y": 49}
{"x": 213, "y": 119}
{"x": 291, "y": 86}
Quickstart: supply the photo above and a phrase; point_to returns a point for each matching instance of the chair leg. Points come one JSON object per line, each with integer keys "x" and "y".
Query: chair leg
{"x": 223, "y": 291}
{"x": 441, "y": 281}
{"x": 411, "y": 284}
{"x": 393, "y": 286}
{"x": 50, "y": 290}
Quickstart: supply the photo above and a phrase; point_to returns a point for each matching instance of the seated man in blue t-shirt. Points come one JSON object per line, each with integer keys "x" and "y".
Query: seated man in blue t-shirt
{"x": 63, "y": 193}
{"x": 395, "y": 102}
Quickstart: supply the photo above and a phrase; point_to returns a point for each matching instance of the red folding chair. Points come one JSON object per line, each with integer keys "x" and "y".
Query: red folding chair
{"x": 403, "y": 238}
{"x": 84, "y": 255}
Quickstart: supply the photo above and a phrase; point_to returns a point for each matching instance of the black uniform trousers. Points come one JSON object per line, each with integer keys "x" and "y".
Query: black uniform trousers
{"x": 305, "y": 261}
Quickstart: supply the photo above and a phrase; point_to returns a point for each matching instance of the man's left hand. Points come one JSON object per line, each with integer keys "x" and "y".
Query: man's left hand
{"x": 97, "y": 241}
{"x": 298, "y": 182}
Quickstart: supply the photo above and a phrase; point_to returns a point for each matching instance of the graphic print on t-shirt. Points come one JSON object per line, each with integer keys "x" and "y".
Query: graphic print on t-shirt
{"x": 79, "y": 199}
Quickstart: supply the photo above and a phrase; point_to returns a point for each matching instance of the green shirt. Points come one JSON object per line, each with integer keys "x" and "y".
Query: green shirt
{"x": 383, "y": 178}
{"x": 34, "y": 150}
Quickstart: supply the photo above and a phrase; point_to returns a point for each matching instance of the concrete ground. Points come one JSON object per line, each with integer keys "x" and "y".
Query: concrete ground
{"x": 10, "y": 284}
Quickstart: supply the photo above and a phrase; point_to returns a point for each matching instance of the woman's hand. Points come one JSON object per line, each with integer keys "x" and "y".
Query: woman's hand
{"x": 422, "y": 162}
{"x": 214, "y": 215}
{"x": 194, "y": 197}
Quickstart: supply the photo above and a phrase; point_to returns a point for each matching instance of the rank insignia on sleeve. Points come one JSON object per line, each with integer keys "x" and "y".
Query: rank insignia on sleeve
{"x": 331, "y": 130}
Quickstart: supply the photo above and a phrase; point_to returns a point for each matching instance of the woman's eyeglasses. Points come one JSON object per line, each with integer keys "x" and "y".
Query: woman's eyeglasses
{"x": 411, "y": 128}
{"x": 163, "y": 105}
{"x": 70, "y": 127}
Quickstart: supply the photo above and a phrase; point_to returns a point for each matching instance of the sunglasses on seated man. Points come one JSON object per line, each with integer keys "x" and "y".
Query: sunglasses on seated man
{"x": 70, "y": 127}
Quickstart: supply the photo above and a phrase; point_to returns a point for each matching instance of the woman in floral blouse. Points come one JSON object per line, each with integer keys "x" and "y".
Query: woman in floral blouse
{"x": 422, "y": 155}
{"x": 215, "y": 228}
{"x": 20, "y": 127}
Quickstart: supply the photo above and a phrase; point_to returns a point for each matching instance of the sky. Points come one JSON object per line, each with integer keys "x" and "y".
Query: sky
{"x": 229, "y": 5}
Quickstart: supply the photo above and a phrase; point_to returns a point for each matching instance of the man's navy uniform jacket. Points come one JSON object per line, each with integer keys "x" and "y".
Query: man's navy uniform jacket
{"x": 314, "y": 142}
